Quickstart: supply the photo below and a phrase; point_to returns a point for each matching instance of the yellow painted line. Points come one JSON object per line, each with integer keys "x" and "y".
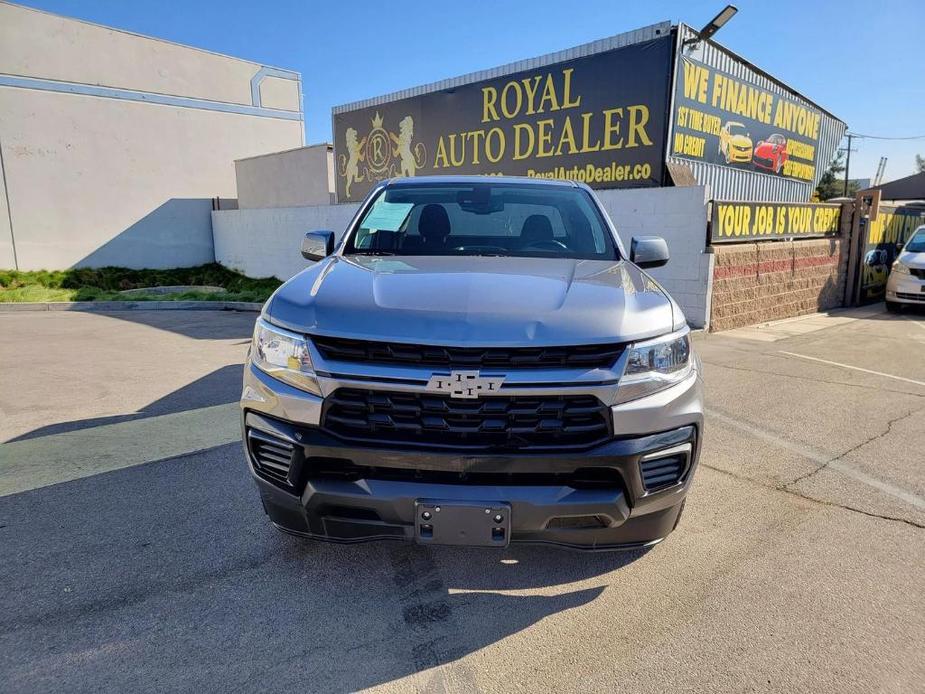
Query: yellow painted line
{"x": 70, "y": 455}
{"x": 853, "y": 368}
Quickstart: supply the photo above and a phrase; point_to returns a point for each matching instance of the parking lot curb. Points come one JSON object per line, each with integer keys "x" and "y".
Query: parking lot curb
{"x": 132, "y": 306}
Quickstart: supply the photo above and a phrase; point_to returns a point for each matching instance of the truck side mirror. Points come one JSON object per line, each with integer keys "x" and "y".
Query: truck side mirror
{"x": 317, "y": 245}
{"x": 649, "y": 251}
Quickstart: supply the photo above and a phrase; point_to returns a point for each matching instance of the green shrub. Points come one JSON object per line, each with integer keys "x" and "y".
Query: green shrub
{"x": 103, "y": 284}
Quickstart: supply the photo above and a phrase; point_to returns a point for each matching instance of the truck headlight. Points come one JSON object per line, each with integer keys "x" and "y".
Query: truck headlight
{"x": 900, "y": 268}
{"x": 284, "y": 356}
{"x": 655, "y": 364}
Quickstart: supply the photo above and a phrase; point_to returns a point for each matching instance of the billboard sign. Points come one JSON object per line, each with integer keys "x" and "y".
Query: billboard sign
{"x": 768, "y": 221}
{"x": 734, "y": 122}
{"x": 600, "y": 119}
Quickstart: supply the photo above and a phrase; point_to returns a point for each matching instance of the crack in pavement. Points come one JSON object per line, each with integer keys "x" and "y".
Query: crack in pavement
{"x": 814, "y": 380}
{"x": 806, "y": 497}
{"x": 823, "y": 460}
{"x": 828, "y": 463}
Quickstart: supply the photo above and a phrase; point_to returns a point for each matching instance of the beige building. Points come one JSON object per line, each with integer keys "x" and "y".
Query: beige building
{"x": 294, "y": 178}
{"x": 113, "y": 145}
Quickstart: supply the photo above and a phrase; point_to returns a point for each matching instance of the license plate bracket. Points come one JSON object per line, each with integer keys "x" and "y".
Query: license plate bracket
{"x": 470, "y": 523}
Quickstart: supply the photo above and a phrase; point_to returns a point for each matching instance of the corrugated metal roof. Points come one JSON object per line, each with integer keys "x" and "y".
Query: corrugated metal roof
{"x": 733, "y": 184}
{"x": 647, "y": 33}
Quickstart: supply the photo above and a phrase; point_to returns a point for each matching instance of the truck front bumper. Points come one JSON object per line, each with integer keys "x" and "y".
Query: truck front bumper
{"x": 594, "y": 499}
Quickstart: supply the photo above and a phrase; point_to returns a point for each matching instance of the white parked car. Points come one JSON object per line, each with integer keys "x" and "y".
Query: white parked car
{"x": 906, "y": 284}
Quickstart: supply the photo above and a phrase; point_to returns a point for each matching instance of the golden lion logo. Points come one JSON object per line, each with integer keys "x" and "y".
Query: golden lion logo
{"x": 351, "y": 163}
{"x": 409, "y": 163}
{"x": 380, "y": 154}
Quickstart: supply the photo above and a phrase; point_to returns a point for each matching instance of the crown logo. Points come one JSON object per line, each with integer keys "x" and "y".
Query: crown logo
{"x": 377, "y": 120}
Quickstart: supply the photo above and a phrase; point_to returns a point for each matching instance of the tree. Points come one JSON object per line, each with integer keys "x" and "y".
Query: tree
{"x": 832, "y": 182}
{"x": 920, "y": 163}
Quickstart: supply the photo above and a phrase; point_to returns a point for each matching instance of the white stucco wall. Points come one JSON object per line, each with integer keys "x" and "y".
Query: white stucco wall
{"x": 267, "y": 242}
{"x": 679, "y": 215}
{"x": 98, "y": 173}
{"x": 44, "y": 45}
{"x": 7, "y": 258}
{"x": 264, "y": 242}
{"x": 279, "y": 93}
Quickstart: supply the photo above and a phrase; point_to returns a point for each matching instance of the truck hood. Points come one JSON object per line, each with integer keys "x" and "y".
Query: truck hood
{"x": 474, "y": 301}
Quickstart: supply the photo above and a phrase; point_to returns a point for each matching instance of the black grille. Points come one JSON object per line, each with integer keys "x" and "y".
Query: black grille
{"x": 272, "y": 456}
{"x": 581, "y": 356}
{"x": 345, "y": 469}
{"x": 662, "y": 472}
{"x": 577, "y": 523}
{"x": 576, "y": 421}
{"x": 918, "y": 272}
{"x": 910, "y": 297}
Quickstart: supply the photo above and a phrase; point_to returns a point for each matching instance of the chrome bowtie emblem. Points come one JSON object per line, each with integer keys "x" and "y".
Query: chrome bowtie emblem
{"x": 464, "y": 384}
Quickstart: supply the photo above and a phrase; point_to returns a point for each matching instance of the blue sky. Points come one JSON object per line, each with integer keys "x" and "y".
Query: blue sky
{"x": 864, "y": 62}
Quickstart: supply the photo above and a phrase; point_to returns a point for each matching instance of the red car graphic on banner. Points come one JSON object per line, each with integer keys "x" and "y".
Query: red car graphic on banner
{"x": 771, "y": 154}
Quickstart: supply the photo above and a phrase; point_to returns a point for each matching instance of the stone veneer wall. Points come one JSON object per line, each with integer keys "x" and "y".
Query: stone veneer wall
{"x": 758, "y": 282}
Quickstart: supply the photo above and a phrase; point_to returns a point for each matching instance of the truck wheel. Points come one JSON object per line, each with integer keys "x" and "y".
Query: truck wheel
{"x": 893, "y": 307}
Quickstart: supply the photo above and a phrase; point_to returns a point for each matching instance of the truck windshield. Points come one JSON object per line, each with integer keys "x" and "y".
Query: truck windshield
{"x": 492, "y": 218}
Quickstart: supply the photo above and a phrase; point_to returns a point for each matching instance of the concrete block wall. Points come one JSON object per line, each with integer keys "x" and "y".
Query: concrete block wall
{"x": 679, "y": 215}
{"x": 267, "y": 242}
{"x": 264, "y": 242}
{"x": 758, "y": 282}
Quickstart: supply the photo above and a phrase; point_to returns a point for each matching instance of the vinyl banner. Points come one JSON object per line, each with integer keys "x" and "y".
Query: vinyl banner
{"x": 764, "y": 221}
{"x": 721, "y": 119}
{"x": 884, "y": 237}
{"x": 600, "y": 119}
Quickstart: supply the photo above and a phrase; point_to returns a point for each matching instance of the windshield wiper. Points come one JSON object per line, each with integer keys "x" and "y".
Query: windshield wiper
{"x": 374, "y": 252}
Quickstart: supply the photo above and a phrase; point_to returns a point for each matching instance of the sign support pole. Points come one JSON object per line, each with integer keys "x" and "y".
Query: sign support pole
{"x": 847, "y": 165}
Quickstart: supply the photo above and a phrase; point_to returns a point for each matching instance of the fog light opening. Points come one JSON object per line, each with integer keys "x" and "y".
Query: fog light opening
{"x": 666, "y": 468}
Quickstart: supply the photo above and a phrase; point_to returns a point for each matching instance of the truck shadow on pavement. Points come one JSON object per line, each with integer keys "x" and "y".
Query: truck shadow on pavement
{"x": 195, "y": 324}
{"x": 168, "y": 576}
{"x": 216, "y": 388}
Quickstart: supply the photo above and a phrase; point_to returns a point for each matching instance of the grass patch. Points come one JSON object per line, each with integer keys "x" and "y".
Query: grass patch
{"x": 104, "y": 284}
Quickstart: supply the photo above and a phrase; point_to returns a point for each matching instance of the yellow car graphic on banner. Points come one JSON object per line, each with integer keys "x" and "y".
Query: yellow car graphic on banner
{"x": 735, "y": 143}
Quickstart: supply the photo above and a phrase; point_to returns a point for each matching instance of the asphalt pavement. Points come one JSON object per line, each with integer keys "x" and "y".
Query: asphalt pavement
{"x": 135, "y": 556}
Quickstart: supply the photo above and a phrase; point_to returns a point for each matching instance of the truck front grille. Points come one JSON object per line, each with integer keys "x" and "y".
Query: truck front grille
{"x": 580, "y": 356}
{"x": 423, "y": 419}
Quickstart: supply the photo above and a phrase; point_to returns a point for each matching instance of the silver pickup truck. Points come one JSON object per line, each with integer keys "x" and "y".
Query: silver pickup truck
{"x": 478, "y": 361}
